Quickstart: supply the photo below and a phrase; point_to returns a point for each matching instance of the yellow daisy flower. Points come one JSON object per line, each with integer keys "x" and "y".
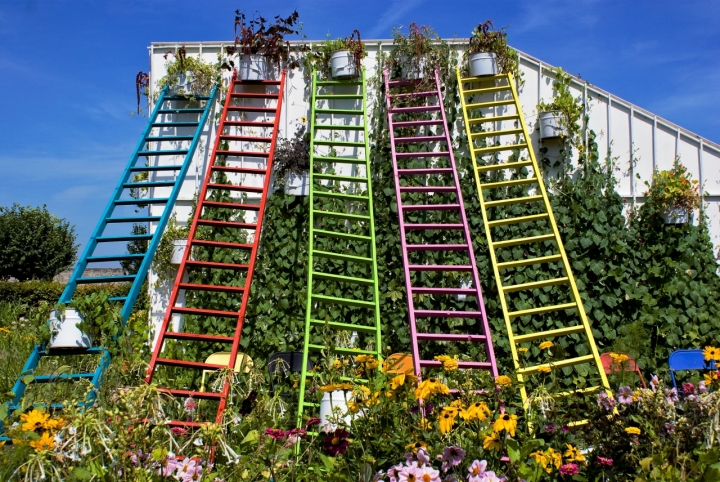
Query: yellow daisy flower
{"x": 711, "y": 353}
{"x": 546, "y": 344}
{"x": 46, "y": 442}
{"x": 34, "y": 420}
{"x": 544, "y": 369}
{"x": 503, "y": 380}
{"x": 492, "y": 442}
{"x": 506, "y": 422}
{"x": 633, "y": 430}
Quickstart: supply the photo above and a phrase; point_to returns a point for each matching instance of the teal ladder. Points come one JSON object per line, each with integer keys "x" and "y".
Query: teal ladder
{"x": 342, "y": 293}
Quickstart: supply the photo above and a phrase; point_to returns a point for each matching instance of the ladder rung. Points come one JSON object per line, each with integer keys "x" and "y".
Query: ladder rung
{"x": 343, "y": 301}
{"x": 502, "y": 147}
{"x": 330, "y": 142}
{"x": 344, "y": 326}
{"x": 176, "y": 335}
{"x": 423, "y": 290}
{"x": 124, "y": 237}
{"x": 248, "y": 124}
{"x": 250, "y": 108}
{"x": 175, "y": 124}
{"x": 245, "y": 138}
{"x": 541, "y": 335}
{"x": 114, "y": 257}
{"x": 535, "y": 284}
{"x": 64, "y": 376}
{"x": 225, "y": 224}
{"x": 497, "y": 118}
{"x": 451, "y": 337}
{"x": 461, "y": 364}
{"x": 508, "y": 183}
{"x": 133, "y": 219}
{"x": 214, "y": 265}
{"x": 224, "y": 205}
{"x": 241, "y": 153}
{"x": 340, "y": 111}
{"x": 339, "y": 195}
{"x": 428, "y": 189}
{"x": 220, "y": 244}
{"x": 163, "y": 152}
{"x": 343, "y": 351}
{"x": 436, "y": 247}
{"x": 408, "y": 155}
{"x": 253, "y": 95}
{"x": 406, "y": 110}
{"x": 127, "y": 202}
{"x": 343, "y": 279}
{"x": 219, "y": 288}
{"x": 513, "y": 200}
{"x": 330, "y": 214}
{"x": 118, "y": 298}
{"x": 417, "y": 123}
{"x": 240, "y": 170}
{"x": 334, "y": 234}
{"x": 338, "y": 127}
{"x": 333, "y": 159}
{"x": 338, "y": 96}
{"x": 146, "y": 184}
{"x": 168, "y": 138}
{"x": 484, "y": 77}
{"x": 342, "y": 257}
{"x": 156, "y": 168}
{"x": 191, "y": 393}
{"x": 425, "y": 170}
{"x": 188, "y": 364}
{"x": 338, "y": 82}
{"x": 335, "y": 177}
{"x": 486, "y": 90}
{"x": 405, "y": 140}
{"x": 107, "y": 279}
{"x": 542, "y": 309}
{"x": 518, "y": 220}
{"x": 231, "y": 187}
{"x": 528, "y": 240}
{"x": 413, "y": 94}
{"x": 429, "y": 207}
{"x": 558, "y": 364}
{"x": 439, "y": 267}
{"x": 507, "y": 165}
{"x": 493, "y": 103}
{"x": 427, "y": 226}
{"x": 529, "y": 261}
{"x": 204, "y": 312}
{"x": 505, "y": 132}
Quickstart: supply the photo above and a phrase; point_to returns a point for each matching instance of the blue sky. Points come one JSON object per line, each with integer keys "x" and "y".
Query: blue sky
{"x": 67, "y": 69}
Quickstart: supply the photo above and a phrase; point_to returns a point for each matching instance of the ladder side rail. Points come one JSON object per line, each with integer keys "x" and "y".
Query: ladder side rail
{"x": 488, "y": 234}
{"x": 71, "y": 286}
{"x": 558, "y": 240}
{"x": 311, "y": 241}
{"x": 167, "y": 212}
{"x": 20, "y": 386}
{"x": 253, "y": 252}
{"x": 403, "y": 241}
{"x": 490, "y": 352}
{"x": 191, "y": 236}
{"x": 373, "y": 246}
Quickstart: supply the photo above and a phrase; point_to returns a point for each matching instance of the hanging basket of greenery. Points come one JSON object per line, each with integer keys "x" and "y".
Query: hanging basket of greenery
{"x": 261, "y": 46}
{"x": 188, "y": 76}
{"x": 291, "y": 163}
{"x": 416, "y": 55}
{"x": 561, "y": 117}
{"x": 337, "y": 59}
{"x": 674, "y": 194}
{"x": 489, "y": 54}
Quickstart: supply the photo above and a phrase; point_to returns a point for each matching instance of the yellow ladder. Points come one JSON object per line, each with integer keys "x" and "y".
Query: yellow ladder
{"x": 478, "y": 112}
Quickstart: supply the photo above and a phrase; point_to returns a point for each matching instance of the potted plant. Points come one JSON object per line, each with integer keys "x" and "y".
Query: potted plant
{"x": 188, "y": 76}
{"x": 561, "y": 116}
{"x": 674, "y": 194}
{"x": 64, "y": 330}
{"x": 337, "y": 59}
{"x": 260, "y": 43}
{"x": 292, "y": 163}
{"x": 488, "y": 52}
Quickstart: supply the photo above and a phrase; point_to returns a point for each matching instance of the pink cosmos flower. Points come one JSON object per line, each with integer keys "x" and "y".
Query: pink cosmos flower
{"x": 190, "y": 405}
{"x": 569, "y": 469}
{"x": 428, "y": 474}
{"x": 451, "y": 457}
{"x": 654, "y": 382}
{"x": 410, "y": 474}
{"x": 605, "y": 402}
{"x": 169, "y": 466}
{"x": 702, "y": 388}
{"x": 625, "y": 395}
{"x": 423, "y": 457}
{"x": 394, "y": 471}
{"x": 189, "y": 471}
{"x": 477, "y": 472}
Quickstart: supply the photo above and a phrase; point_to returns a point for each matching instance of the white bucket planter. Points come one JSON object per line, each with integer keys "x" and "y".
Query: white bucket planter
{"x": 334, "y": 403}
{"x": 482, "y": 64}
{"x": 677, "y": 216}
{"x": 179, "y": 246}
{"x": 253, "y": 67}
{"x": 413, "y": 72}
{"x": 464, "y": 284}
{"x": 342, "y": 65}
{"x": 550, "y": 125}
{"x": 297, "y": 184}
{"x": 184, "y": 85}
{"x": 65, "y": 332}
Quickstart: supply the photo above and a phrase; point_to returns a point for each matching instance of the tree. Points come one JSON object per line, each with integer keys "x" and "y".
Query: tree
{"x": 34, "y": 244}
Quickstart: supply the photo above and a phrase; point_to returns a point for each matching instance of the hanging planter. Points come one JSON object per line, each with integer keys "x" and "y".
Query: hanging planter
{"x": 65, "y": 333}
{"x": 674, "y": 194}
{"x": 179, "y": 246}
{"x": 342, "y": 65}
{"x": 253, "y": 67}
{"x": 413, "y": 70}
{"x": 184, "y": 84}
{"x": 482, "y": 64}
{"x": 297, "y": 184}
{"x": 674, "y": 215}
{"x": 550, "y": 125}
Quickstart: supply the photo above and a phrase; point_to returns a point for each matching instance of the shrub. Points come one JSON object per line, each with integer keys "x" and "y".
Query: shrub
{"x": 34, "y": 244}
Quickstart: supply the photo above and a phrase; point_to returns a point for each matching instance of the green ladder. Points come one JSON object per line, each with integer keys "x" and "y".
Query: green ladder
{"x": 342, "y": 294}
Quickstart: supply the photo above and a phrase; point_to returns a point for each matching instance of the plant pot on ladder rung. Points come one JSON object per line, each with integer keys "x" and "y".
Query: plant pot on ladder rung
{"x": 64, "y": 330}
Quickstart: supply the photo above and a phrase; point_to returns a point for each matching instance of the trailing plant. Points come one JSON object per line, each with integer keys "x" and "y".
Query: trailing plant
{"x": 673, "y": 189}
{"x": 201, "y": 76}
{"x": 569, "y": 107}
{"x": 142, "y": 82}
{"x": 292, "y": 156}
{"x": 419, "y": 53}
{"x": 257, "y": 36}
{"x": 162, "y": 261}
{"x": 484, "y": 38}
{"x": 318, "y": 58}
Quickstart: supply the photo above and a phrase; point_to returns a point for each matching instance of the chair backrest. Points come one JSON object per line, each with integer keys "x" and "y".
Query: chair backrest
{"x": 611, "y": 366}
{"x": 287, "y": 361}
{"x": 688, "y": 360}
{"x": 400, "y": 363}
{"x": 242, "y": 361}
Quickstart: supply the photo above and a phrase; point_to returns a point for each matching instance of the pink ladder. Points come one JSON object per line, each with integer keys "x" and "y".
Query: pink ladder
{"x": 425, "y": 113}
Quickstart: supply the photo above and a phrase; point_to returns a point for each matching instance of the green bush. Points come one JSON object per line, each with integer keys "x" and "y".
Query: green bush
{"x": 34, "y": 244}
{"x": 32, "y": 293}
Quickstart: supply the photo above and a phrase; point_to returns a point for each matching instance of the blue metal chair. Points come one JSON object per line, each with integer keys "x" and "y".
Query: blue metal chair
{"x": 688, "y": 360}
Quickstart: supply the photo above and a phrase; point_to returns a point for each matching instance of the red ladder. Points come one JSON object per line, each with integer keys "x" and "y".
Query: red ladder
{"x": 205, "y": 229}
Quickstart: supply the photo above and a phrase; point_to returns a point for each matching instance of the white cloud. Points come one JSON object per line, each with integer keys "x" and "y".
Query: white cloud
{"x": 398, "y": 9}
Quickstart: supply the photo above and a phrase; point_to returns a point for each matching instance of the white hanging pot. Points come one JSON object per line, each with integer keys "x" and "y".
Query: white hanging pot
{"x": 179, "y": 246}
{"x": 333, "y": 403}
{"x": 297, "y": 184}
{"x": 482, "y": 64}
{"x": 464, "y": 284}
{"x": 412, "y": 71}
{"x": 677, "y": 215}
{"x": 253, "y": 67}
{"x": 550, "y": 125}
{"x": 184, "y": 84}
{"x": 65, "y": 333}
{"x": 342, "y": 65}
